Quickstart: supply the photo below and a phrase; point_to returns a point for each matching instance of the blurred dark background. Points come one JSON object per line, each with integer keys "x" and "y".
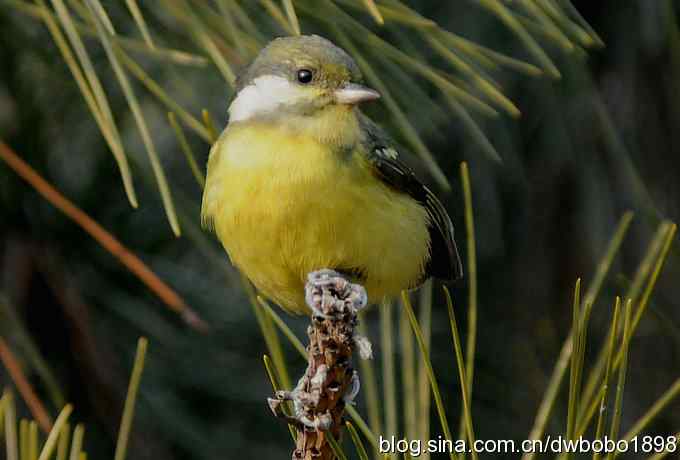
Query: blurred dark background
{"x": 601, "y": 140}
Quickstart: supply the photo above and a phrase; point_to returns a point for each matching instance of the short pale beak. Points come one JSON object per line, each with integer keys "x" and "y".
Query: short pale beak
{"x": 353, "y": 93}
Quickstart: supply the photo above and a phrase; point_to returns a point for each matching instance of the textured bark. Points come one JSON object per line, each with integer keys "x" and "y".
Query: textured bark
{"x": 330, "y": 382}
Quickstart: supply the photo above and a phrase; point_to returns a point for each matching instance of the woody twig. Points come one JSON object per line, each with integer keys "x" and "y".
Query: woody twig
{"x": 330, "y": 382}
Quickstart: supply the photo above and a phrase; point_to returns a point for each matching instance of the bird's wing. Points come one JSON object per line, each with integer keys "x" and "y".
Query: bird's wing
{"x": 444, "y": 262}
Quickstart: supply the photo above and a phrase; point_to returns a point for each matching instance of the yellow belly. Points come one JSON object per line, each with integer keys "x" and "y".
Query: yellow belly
{"x": 284, "y": 206}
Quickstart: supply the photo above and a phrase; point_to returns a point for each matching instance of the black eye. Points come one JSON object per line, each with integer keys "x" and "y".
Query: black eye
{"x": 304, "y": 76}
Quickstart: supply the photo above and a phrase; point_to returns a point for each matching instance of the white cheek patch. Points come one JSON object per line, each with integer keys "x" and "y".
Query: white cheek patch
{"x": 264, "y": 95}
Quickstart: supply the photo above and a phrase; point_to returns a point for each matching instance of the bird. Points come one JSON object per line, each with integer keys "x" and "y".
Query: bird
{"x": 301, "y": 180}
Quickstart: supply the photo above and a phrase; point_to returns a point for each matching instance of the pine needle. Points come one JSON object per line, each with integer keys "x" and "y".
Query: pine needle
{"x": 209, "y": 125}
{"x": 278, "y": 16}
{"x": 602, "y": 403}
{"x": 271, "y": 373}
{"x": 163, "y": 188}
{"x": 661, "y": 403}
{"x": 471, "y": 273}
{"x": 186, "y": 149}
{"x": 405, "y": 16}
{"x": 356, "y": 439}
{"x": 408, "y": 373}
{"x": 162, "y": 95}
{"x": 29, "y": 396}
{"x": 471, "y": 276}
{"x": 90, "y": 87}
{"x": 64, "y": 438}
{"x": 292, "y": 16}
{"x": 271, "y": 338}
{"x": 477, "y": 79}
{"x": 23, "y": 439}
{"x": 3, "y": 403}
{"x": 369, "y": 383}
{"x": 11, "y": 445}
{"x": 499, "y": 9}
{"x": 605, "y": 264}
{"x": 130, "y": 400}
{"x": 141, "y": 23}
{"x": 555, "y": 382}
{"x": 232, "y": 27}
{"x": 174, "y": 56}
{"x": 586, "y": 36}
{"x": 103, "y": 237}
{"x": 388, "y": 368}
{"x": 55, "y": 433}
{"x": 202, "y": 36}
{"x": 575, "y": 332}
{"x": 655, "y": 256}
{"x": 336, "y": 447}
{"x": 424, "y": 392}
{"x": 425, "y": 355}
{"x": 584, "y": 24}
{"x": 460, "y": 362}
{"x": 32, "y": 440}
{"x": 374, "y": 11}
{"x": 287, "y": 332}
{"x": 658, "y": 267}
{"x": 361, "y": 424}
{"x": 620, "y": 386}
{"x": 531, "y": 6}
{"x": 77, "y": 442}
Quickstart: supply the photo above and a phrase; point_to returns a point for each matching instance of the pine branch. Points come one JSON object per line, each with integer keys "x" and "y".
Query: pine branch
{"x": 330, "y": 382}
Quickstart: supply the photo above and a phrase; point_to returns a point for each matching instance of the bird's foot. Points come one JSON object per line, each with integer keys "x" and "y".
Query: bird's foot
{"x": 327, "y": 292}
{"x": 301, "y": 402}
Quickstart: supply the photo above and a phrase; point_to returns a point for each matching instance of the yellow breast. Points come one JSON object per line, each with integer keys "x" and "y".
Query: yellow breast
{"x": 284, "y": 205}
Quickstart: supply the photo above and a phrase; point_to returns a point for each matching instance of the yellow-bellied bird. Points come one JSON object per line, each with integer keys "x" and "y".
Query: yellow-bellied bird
{"x": 301, "y": 180}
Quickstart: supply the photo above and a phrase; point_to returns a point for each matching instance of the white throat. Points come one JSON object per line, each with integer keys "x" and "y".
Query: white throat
{"x": 264, "y": 95}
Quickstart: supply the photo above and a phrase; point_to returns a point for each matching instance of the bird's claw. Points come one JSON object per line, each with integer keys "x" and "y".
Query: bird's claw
{"x": 321, "y": 282}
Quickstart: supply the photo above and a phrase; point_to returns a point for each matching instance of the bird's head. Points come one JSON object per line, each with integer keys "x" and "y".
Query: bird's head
{"x": 298, "y": 77}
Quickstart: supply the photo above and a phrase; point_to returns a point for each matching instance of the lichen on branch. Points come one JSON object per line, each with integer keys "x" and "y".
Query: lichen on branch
{"x": 330, "y": 382}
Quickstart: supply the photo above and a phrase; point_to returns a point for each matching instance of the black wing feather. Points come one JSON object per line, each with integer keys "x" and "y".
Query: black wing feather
{"x": 444, "y": 262}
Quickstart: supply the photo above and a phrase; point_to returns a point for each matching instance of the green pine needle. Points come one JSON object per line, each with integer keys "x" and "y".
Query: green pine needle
{"x": 339, "y": 453}
{"x": 552, "y": 390}
{"x": 11, "y": 444}
{"x": 472, "y": 285}
{"x": 141, "y": 23}
{"x": 64, "y": 439}
{"x": 33, "y": 440}
{"x": 292, "y": 16}
{"x": 55, "y": 433}
{"x": 271, "y": 373}
{"x": 100, "y": 19}
{"x": 388, "y": 368}
{"x": 602, "y": 403}
{"x": 425, "y": 355}
{"x": 460, "y": 362}
{"x": 356, "y": 439}
{"x": 209, "y": 125}
{"x": 186, "y": 149}
{"x": 130, "y": 401}
{"x": 620, "y": 386}
{"x": 77, "y": 442}
{"x": 575, "y": 333}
